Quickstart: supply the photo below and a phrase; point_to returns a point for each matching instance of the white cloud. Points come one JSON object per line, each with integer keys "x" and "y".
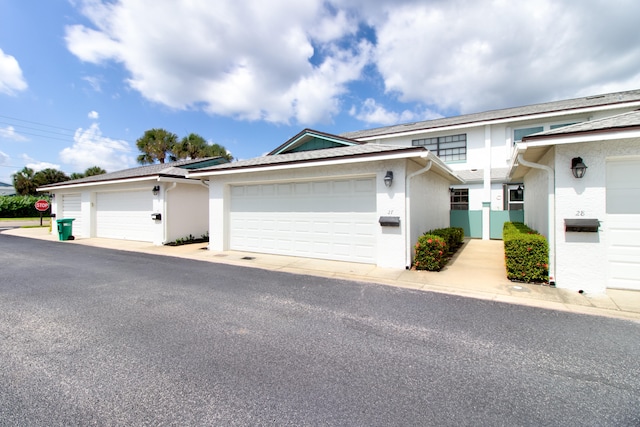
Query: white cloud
{"x": 9, "y": 132}
{"x": 93, "y": 115}
{"x": 90, "y": 148}
{"x": 249, "y": 60}
{"x": 94, "y": 82}
{"x": 11, "y": 79}
{"x": 472, "y": 56}
{"x": 4, "y": 158}
{"x": 37, "y": 165}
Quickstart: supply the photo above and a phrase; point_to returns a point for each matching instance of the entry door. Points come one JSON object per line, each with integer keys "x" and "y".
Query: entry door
{"x": 623, "y": 223}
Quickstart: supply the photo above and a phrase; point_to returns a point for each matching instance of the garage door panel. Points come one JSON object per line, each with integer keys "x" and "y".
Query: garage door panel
{"x": 125, "y": 215}
{"x": 322, "y": 219}
{"x": 72, "y": 208}
{"x": 623, "y": 223}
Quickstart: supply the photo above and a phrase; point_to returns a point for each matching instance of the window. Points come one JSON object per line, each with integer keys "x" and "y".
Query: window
{"x": 459, "y": 199}
{"x": 518, "y": 134}
{"x": 516, "y": 198}
{"x": 561, "y": 125}
{"x": 449, "y": 148}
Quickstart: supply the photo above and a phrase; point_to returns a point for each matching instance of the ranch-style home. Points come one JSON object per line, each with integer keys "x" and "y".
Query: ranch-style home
{"x": 155, "y": 203}
{"x": 324, "y": 196}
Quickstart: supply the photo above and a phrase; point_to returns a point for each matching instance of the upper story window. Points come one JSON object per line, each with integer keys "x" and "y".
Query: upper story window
{"x": 449, "y": 148}
{"x": 561, "y": 125}
{"x": 518, "y": 134}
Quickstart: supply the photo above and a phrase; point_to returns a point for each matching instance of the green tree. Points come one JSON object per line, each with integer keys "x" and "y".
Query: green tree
{"x": 94, "y": 170}
{"x": 23, "y": 182}
{"x": 49, "y": 176}
{"x": 76, "y": 175}
{"x": 195, "y": 146}
{"x": 156, "y": 145}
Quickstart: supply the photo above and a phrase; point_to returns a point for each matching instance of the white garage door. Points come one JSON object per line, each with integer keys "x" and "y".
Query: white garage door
{"x": 72, "y": 208}
{"x": 623, "y": 223}
{"x": 125, "y": 215}
{"x": 321, "y": 219}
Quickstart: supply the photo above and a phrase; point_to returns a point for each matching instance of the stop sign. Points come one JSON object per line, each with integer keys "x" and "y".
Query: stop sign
{"x": 42, "y": 205}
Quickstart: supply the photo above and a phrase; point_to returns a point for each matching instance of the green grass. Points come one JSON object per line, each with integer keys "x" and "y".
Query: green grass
{"x": 35, "y": 218}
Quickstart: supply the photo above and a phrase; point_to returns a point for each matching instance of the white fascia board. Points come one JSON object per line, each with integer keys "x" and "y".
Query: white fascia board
{"x": 179, "y": 180}
{"x": 500, "y": 121}
{"x": 593, "y": 136}
{"x": 95, "y": 183}
{"x": 276, "y": 167}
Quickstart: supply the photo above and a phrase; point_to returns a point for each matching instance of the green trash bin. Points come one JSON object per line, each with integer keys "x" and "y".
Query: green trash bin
{"x": 65, "y": 228}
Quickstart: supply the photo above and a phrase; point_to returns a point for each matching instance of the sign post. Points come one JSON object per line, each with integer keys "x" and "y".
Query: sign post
{"x": 41, "y": 206}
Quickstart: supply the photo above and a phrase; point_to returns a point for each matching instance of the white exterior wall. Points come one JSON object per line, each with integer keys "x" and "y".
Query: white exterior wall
{"x": 536, "y": 196}
{"x": 581, "y": 258}
{"x": 429, "y": 204}
{"x": 391, "y": 241}
{"x": 187, "y": 210}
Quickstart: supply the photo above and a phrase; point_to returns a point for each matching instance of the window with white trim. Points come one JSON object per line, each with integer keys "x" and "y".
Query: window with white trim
{"x": 518, "y": 134}
{"x": 449, "y": 148}
{"x": 459, "y": 199}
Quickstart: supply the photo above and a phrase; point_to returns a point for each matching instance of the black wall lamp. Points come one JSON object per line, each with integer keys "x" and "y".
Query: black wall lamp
{"x": 156, "y": 190}
{"x": 578, "y": 168}
{"x": 388, "y": 179}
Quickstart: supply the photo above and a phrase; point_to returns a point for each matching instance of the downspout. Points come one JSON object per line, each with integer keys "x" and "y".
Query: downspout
{"x": 552, "y": 214}
{"x": 165, "y": 209}
{"x": 407, "y": 213}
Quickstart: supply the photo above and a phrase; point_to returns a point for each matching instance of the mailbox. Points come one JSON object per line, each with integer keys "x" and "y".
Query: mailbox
{"x": 389, "y": 221}
{"x": 588, "y": 225}
{"x": 156, "y": 216}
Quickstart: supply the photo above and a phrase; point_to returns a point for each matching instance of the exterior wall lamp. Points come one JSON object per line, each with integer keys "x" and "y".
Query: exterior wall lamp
{"x": 156, "y": 190}
{"x": 578, "y": 168}
{"x": 388, "y": 179}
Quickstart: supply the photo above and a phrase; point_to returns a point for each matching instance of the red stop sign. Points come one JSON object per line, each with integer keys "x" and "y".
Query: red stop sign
{"x": 42, "y": 205}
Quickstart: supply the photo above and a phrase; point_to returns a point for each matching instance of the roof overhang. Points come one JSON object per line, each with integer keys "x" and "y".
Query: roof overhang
{"x": 534, "y": 147}
{"x": 420, "y": 155}
{"x": 80, "y": 185}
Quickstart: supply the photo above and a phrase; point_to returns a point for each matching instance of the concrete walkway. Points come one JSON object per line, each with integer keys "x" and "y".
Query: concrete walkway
{"x": 477, "y": 270}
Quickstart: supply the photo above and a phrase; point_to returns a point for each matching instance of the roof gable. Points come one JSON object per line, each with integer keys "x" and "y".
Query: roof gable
{"x": 310, "y": 140}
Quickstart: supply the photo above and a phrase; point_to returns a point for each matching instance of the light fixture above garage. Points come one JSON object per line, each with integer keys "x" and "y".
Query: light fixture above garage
{"x": 388, "y": 179}
{"x": 578, "y": 168}
{"x": 156, "y": 190}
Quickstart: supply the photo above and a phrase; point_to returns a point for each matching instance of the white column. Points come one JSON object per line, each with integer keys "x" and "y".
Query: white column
{"x": 486, "y": 194}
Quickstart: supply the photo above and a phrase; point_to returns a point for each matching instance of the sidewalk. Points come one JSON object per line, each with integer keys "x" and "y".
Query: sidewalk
{"x": 476, "y": 271}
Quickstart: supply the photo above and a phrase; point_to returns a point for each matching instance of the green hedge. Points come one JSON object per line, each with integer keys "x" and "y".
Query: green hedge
{"x": 454, "y": 236}
{"x": 435, "y": 247}
{"x": 526, "y": 253}
{"x": 20, "y": 206}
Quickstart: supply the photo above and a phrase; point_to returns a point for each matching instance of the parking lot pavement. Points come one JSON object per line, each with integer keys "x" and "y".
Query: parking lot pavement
{"x": 476, "y": 271}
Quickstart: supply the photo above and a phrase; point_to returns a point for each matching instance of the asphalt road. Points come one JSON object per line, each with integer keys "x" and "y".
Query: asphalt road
{"x": 91, "y": 336}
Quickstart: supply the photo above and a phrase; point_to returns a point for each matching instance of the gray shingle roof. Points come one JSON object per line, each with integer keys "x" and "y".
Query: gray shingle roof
{"x": 548, "y": 107}
{"x": 365, "y": 150}
{"x": 630, "y": 119}
{"x": 172, "y": 169}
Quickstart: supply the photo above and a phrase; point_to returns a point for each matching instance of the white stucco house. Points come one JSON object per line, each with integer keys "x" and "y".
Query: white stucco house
{"x": 592, "y": 220}
{"x": 479, "y": 148}
{"x": 324, "y": 196}
{"x": 155, "y": 203}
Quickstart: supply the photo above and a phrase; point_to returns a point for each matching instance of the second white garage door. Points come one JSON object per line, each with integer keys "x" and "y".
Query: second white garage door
{"x": 125, "y": 215}
{"x": 623, "y": 223}
{"x": 333, "y": 220}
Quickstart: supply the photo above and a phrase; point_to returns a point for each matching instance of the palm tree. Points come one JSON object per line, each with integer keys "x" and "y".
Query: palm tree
{"x": 156, "y": 145}
{"x": 94, "y": 170}
{"x": 23, "y": 182}
{"x": 49, "y": 176}
{"x": 195, "y": 146}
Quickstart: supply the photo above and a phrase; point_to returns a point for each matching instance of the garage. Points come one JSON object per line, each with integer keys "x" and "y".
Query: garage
{"x": 125, "y": 215}
{"x": 623, "y": 223}
{"x": 328, "y": 219}
{"x": 72, "y": 208}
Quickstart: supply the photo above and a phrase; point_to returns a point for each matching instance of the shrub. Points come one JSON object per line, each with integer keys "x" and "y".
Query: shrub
{"x": 20, "y": 206}
{"x": 526, "y": 253}
{"x": 454, "y": 236}
{"x": 431, "y": 253}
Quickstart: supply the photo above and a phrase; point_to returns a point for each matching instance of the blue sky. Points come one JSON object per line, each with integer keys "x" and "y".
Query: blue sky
{"x": 80, "y": 80}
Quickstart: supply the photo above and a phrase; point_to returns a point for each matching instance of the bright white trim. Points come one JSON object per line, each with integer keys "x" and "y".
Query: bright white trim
{"x": 118, "y": 181}
{"x": 499, "y": 121}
